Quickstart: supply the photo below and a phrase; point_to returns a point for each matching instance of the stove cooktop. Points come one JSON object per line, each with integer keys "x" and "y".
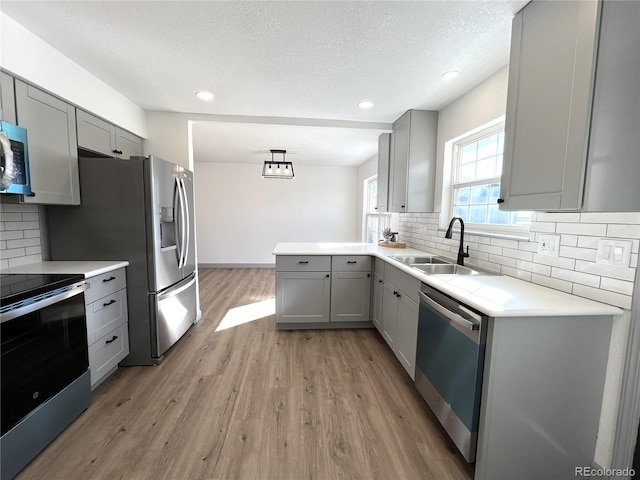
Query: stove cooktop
{"x": 16, "y": 287}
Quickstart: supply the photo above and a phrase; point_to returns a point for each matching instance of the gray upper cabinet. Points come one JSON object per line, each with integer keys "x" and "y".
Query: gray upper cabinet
{"x": 384, "y": 145}
{"x": 103, "y": 137}
{"x": 7, "y": 98}
{"x": 572, "y": 127}
{"x": 412, "y": 163}
{"x": 53, "y": 155}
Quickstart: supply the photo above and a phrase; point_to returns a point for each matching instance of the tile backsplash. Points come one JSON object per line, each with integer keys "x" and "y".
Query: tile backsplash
{"x": 574, "y": 270}
{"x": 20, "y": 234}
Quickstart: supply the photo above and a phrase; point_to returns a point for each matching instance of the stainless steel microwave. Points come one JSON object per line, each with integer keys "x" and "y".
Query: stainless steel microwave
{"x": 14, "y": 160}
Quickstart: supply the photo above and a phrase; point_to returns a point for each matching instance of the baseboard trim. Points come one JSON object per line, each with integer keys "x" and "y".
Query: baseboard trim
{"x": 236, "y": 265}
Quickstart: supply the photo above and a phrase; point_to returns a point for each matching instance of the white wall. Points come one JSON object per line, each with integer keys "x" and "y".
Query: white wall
{"x": 27, "y": 56}
{"x": 241, "y": 216}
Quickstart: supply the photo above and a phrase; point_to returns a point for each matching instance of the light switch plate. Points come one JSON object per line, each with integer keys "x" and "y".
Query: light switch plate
{"x": 616, "y": 253}
{"x": 549, "y": 245}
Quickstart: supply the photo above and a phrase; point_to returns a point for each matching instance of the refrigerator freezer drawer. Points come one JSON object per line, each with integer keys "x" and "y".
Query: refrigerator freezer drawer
{"x": 175, "y": 312}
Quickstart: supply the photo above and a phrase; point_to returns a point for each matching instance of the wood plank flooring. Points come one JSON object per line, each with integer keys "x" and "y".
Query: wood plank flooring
{"x": 250, "y": 402}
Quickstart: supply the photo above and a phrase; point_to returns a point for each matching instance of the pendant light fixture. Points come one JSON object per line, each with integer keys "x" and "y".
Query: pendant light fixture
{"x": 276, "y": 168}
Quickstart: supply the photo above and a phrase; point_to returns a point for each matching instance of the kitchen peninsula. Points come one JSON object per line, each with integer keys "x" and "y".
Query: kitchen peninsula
{"x": 545, "y": 351}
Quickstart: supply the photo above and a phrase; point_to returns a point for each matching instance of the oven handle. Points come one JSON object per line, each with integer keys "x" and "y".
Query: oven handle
{"x": 449, "y": 315}
{"x": 75, "y": 289}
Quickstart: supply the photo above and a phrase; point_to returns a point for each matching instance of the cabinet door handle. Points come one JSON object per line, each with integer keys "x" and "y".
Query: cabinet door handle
{"x": 113, "y": 339}
{"x": 379, "y": 281}
{"x": 304, "y": 262}
{"x": 368, "y": 275}
{"x": 105, "y": 280}
{"x": 111, "y": 302}
{"x": 327, "y": 275}
{"x": 500, "y": 200}
{"x": 352, "y": 261}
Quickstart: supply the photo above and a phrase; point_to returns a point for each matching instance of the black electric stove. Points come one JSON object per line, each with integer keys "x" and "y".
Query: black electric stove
{"x": 18, "y": 287}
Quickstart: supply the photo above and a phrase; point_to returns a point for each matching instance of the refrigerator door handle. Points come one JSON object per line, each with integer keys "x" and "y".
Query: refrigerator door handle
{"x": 177, "y": 204}
{"x": 187, "y": 223}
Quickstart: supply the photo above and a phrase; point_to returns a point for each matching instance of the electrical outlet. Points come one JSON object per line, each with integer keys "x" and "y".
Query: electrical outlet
{"x": 549, "y": 245}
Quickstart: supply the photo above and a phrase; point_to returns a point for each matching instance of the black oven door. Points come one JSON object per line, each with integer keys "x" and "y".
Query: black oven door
{"x": 42, "y": 352}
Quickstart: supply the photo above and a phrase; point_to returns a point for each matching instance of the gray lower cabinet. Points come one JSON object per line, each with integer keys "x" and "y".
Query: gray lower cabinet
{"x": 573, "y": 108}
{"x": 53, "y": 156}
{"x": 303, "y": 290}
{"x": 103, "y": 137}
{"x": 378, "y": 292}
{"x": 7, "y": 98}
{"x": 350, "y": 288}
{"x": 400, "y": 309}
{"x": 107, "y": 323}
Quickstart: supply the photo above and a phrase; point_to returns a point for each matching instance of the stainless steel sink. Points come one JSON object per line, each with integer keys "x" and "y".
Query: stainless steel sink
{"x": 420, "y": 260}
{"x": 451, "y": 269}
{"x": 446, "y": 269}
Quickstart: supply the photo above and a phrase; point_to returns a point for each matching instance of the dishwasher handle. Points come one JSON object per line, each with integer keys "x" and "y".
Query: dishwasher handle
{"x": 448, "y": 314}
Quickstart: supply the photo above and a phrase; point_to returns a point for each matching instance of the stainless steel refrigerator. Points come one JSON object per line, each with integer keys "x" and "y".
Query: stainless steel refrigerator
{"x": 140, "y": 210}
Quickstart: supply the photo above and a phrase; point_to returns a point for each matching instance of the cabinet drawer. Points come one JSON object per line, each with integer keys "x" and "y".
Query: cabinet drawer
{"x": 105, "y": 314}
{"x": 351, "y": 263}
{"x": 107, "y": 352}
{"x": 105, "y": 284}
{"x": 403, "y": 281}
{"x": 303, "y": 263}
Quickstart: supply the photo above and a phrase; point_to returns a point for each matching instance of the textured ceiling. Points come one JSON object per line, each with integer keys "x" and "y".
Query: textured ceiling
{"x": 304, "y": 59}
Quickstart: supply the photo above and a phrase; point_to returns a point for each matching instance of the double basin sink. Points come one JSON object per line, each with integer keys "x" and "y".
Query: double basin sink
{"x": 438, "y": 266}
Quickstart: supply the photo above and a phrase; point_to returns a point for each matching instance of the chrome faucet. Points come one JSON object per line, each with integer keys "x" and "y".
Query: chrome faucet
{"x": 461, "y": 253}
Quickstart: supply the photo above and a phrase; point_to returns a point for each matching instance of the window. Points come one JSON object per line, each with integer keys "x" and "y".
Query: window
{"x": 475, "y": 184}
{"x": 373, "y": 222}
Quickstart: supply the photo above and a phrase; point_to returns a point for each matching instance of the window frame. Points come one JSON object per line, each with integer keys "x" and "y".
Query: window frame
{"x": 454, "y": 147}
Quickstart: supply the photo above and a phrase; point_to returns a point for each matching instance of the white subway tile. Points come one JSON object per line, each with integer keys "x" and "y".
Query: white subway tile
{"x": 33, "y": 250}
{"x": 576, "y": 277}
{"x": 4, "y": 263}
{"x": 610, "y": 217}
{"x": 545, "y": 227}
{"x": 489, "y": 266}
{"x": 518, "y": 254}
{"x": 499, "y": 259}
{"x": 618, "y": 286}
{"x": 534, "y": 267}
{"x": 503, "y": 242}
{"x": 14, "y": 252}
{"x": 595, "y": 229}
{"x": 514, "y": 272}
{"x": 13, "y": 234}
{"x": 558, "y": 217}
{"x": 527, "y": 246}
{"x": 490, "y": 249}
{"x": 569, "y": 240}
{"x": 12, "y": 217}
{"x": 26, "y": 242}
{"x": 604, "y": 296}
{"x": 21, "y": 225}
{"x": 30, "y": 217}
{"x": 19, "y": 207}
{"x": 588, "y": 242}
{"x": 3, "y": 244}
{"x": 14, "y": 262}
{"x": 621, "y": 273}
{"x": 554, "y": 283}
{"x": 562, "y": 262}
{"x": 578, "y": 253}
{"x": 623, "y": 231}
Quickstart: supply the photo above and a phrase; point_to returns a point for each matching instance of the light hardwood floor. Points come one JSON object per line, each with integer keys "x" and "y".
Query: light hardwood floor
{"x": 250, "y": 402}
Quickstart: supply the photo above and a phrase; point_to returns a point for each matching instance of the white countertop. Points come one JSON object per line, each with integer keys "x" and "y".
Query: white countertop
{"x": 494, "y": 295}
{"x": 87, "y": 268}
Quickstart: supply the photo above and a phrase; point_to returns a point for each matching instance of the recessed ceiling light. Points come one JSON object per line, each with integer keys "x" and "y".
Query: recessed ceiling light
{"x": 450, "y": 75}
{"x": 204, "y": 95}
{"x": 365, "y": 104}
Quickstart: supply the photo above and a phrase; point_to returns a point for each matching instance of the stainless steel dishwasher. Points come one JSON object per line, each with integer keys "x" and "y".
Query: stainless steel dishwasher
{"x": 449, "y": 365}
